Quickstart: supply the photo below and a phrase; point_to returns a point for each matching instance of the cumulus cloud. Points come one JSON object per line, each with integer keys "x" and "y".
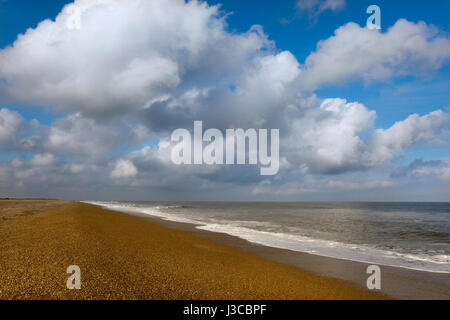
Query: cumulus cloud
{"x": 355, "y": 52}
{"x": 41, "y": 160}
{"x": 424, "y": 169}
{"x": 10, "y": 124}
{"x": 385, "y": 144}
{"x": 78, "y": 136}
{"x": 124, "y": 169}
{"x": 446, "y": 174}
{"x": 330, "y": 139}
{"x": 125, "y": 55}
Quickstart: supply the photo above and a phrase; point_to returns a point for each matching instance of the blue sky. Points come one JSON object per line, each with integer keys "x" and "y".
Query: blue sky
{"x": 296, "y": 31}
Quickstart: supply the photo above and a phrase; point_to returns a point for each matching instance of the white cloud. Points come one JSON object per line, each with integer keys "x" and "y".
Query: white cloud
{"x": 328, "y": 139}
{"x": 445, "y": 173}
{"x": 10, "y": 124}
{"x": 17, "y": 163}
{"x": 124, "y": 169}
{"x": 356, "y": 52}
{"x": 36, "y": 170}
{"x": 125, "y": 54}
{"x": 77, "y": 168}
{"x": 83, "y": 137}
{"x": 385, "y": 144}
{"x": 420, "y": 170}
{"x": 42, "y": 160}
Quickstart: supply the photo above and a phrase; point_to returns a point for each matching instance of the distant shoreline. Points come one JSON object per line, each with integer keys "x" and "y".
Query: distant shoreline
{"x": 258, "y": 201}
{"x": 36, "y": 199}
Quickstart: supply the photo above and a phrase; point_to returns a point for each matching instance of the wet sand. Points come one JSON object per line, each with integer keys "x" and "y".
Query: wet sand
{"x": 128, "y": 257}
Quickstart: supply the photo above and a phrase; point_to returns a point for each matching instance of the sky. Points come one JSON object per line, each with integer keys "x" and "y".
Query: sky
{"x": 87, "y": 112}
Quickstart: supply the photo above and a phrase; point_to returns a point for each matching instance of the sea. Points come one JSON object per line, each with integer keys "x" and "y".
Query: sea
{"x": 405, "y": 234}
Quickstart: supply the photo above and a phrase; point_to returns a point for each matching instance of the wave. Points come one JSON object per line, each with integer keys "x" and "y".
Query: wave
{"x": 250, "y": 231}
{"x": 155, "y": 211}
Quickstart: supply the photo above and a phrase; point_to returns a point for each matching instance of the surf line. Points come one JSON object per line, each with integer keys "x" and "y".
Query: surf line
{"x": 235, "y": 139}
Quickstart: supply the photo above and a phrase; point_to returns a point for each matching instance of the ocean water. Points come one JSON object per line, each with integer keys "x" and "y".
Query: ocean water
{"x": 408, "y": 235}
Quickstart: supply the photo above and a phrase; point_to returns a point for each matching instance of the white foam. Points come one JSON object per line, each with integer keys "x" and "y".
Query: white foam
{"x": 132, "y": 208}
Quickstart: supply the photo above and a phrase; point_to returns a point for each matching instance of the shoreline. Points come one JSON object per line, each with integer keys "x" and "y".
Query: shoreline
{"x": 397, "y": 282}
{"x": 129, "y": 255}
{"x": 122, "y": 256}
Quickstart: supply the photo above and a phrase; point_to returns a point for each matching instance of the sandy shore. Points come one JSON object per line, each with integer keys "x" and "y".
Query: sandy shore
{"x": 127, "y": 257}
{"x": 398, "y": 283}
